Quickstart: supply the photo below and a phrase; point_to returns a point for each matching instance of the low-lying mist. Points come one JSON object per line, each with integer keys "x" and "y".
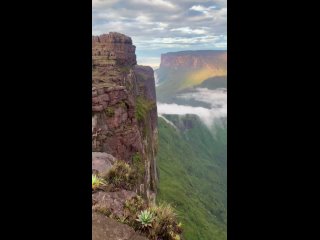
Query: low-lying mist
{"x": 216, "y": 98}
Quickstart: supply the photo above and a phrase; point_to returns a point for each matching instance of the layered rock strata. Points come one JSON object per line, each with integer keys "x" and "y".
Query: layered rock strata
{"x": 117, "y": 82}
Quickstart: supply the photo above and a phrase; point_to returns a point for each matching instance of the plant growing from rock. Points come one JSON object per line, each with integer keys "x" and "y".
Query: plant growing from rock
{"x": 121, "y": 176}
{"x": 143, "y": 106}
{"x": 97, "y": 182}
{"x": 155, "y": 222}
{"x": 132, "y": 207}
{"x": 109, "y": 111}
{"x": 166, "y": 225}
{"x": 138, "y": 166}
{"x": 145, "y": 218}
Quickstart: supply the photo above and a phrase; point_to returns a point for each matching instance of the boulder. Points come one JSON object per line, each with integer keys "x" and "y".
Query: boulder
{"x": 102, "y": 162}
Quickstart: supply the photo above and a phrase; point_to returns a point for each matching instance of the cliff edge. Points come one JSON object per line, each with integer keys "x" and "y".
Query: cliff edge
{"x": 124, "y": 125}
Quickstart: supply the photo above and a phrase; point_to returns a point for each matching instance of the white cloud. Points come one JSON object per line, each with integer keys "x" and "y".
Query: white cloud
{"x": 189, "y": 30}
{"x": 216, "y": 98}
{"x": 202, "y": 9}
{"x": 149, "y": 61}
{"x": 198, "y": 8}
{"x": 157, "y": 3}
{"x": 158, "y": 26}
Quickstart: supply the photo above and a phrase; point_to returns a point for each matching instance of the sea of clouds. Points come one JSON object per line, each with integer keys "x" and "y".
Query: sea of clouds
{"x": 216, "y": 98}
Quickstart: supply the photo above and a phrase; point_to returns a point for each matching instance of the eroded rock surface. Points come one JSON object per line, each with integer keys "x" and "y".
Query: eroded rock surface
{"x": 118, "y": 132}
{"x": 113, "y": 201}
{"x": 102, "y": 162}
{"x": 117, "y": 82}
{"x": 104, "y": 228}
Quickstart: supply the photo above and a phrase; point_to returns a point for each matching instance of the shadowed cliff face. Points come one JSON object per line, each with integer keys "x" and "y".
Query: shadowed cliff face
{"x": 119, "y": 87}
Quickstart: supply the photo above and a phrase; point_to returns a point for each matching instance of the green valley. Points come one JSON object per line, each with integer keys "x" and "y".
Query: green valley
{"x": 192, "y": 164}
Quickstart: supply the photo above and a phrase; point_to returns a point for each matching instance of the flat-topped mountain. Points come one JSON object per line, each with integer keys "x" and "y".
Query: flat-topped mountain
{"x": 180, "y": 71}
{"x": 214, "y": 59}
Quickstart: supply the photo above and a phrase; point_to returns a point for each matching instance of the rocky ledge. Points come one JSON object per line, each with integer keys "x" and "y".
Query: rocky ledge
{"x": 104, "y": 228}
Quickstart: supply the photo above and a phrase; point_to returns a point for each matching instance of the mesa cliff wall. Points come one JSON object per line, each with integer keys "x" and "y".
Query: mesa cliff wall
{"x": 119, "y": 87}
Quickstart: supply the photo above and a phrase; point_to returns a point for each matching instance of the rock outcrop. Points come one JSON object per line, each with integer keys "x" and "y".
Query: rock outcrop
{"x": 113, "y": 201}
{"x": 102, "y": 163}
{"x": 124, "y": 127}
{"x": 104, "y": 228}
{"x": 117, "y": 82}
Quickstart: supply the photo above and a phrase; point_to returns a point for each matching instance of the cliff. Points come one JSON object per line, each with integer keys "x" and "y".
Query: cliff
{"x": 214, "y": 59}
{"x": 181, "y": 71}
{"x": 124, "y": 120}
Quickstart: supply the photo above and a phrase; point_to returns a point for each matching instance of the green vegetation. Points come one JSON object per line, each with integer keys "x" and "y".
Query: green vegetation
{"x": 155, "y": 221}
{"x": 125, "y": 176}
{"x": 145, "y": 218}
{"x": 174, "y": 81}
{"x": 123, "y": 104}
{"x": 214, "y": 83}
{"x": 121, "y": 176}
{"x": 132, "y": 208}
{"x": 97, "y": 182}
{"x": 165, "y": 225}
{"x": 192, "y": 173}
{"x": 138, "y": 166}
{"x": 143, "y": 106}
{"x": 109, "y": 111}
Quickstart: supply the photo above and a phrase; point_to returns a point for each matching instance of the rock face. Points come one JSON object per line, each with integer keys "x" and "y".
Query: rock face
{"x": 114, "y": 201}
{"x": 117, "y": 82}
{"x": 181, "y": 71}
{"x": 215, "y": 59}
{"x": 117, "y": 47}
{"x": 104, "y": 228}
{"x": 124, "y": 127}
{"x": 102, "y": 162}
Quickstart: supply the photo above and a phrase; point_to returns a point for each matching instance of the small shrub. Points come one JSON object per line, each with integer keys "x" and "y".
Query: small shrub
{"x": 145, "y": 218}
{"x": 121, "y": 176}
{"x": 155, "y": 222}
{"x": 109, "y": 111}
{"x": 165, "y": 224}
{"x": 97, "y": 182}
{"x": 131, "y": 209}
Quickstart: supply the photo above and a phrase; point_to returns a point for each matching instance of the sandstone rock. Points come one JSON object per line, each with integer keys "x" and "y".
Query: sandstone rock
{"x": 114, "y": 201}
{"x": 102, "y": 162}
{"x": 104, "y": 228}
{"x": 97, "y": 108}
{"x": 117, "y": 82}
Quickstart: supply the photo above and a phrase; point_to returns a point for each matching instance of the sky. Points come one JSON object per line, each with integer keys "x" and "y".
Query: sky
{"x": 160, "y": 26}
